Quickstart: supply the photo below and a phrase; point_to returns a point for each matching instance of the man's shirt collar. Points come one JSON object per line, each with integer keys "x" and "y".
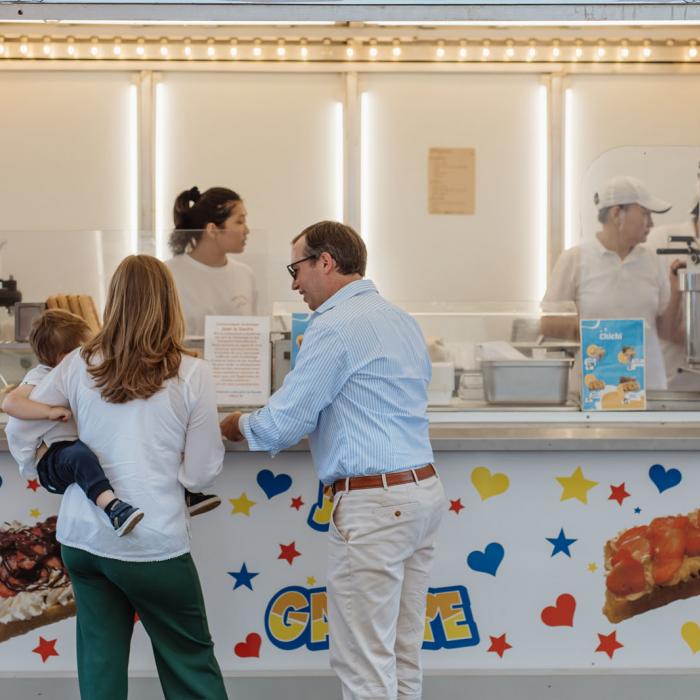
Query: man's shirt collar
{"x": 352, "y": 289}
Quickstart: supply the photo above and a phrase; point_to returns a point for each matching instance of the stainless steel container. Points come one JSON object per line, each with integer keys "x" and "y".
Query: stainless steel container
{"x": 526, "y": 382}
{"x": 690, "y": 286}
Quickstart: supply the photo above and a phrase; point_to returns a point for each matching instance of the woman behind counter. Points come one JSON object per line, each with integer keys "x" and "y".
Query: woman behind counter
{"x": 210, "y": 226}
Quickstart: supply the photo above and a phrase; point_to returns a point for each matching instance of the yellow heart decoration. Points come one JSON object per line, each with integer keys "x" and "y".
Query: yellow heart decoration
{"x": 488, "y": 484}
{"x": 691, "y": 634}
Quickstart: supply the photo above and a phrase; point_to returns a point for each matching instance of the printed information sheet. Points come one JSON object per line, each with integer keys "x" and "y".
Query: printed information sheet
{"x": 238, "y": 349}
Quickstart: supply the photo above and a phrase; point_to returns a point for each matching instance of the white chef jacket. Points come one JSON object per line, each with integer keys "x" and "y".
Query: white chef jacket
{"x": 604, "y": 286}
{"x": 204, "y": 290}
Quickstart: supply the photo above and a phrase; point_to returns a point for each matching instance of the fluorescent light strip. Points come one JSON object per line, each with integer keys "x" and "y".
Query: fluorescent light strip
{"x": 568, "y": 168}
{"x": 339, "y": 162}
{"x": 543, "y": 184}
{"x": 133, "y": 169}
{"x": 160, "y": 171}
{"x": 364, "y": 169}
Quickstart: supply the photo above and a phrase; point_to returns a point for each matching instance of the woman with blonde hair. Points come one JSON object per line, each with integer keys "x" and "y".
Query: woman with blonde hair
{"x": 147, "y": 409}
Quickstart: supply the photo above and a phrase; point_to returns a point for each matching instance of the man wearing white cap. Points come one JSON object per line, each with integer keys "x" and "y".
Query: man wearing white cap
{"x": 674, "y": 349}
{"x": 612, "y": 276}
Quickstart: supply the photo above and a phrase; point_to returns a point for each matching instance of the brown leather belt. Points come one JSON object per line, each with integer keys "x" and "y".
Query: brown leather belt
{"x": 375, "y": 481}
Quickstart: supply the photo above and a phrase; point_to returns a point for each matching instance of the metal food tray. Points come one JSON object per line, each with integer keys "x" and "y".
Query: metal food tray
{"x": 526, "y": 381}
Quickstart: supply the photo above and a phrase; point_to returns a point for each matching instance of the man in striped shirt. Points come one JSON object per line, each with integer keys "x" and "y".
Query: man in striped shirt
{"x": 359, "y": 391}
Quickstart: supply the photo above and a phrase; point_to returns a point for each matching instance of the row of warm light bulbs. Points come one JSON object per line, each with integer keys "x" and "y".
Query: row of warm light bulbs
{"x": 326, "y": 50}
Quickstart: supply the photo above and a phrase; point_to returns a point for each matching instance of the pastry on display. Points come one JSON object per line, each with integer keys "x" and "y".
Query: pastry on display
{"x": 81, "y": 305}
{"x": 596, "y": 351}
{"x": 35, "y": 589}
{"x": 649, "y": 566}
{"x": 593, "y": 383}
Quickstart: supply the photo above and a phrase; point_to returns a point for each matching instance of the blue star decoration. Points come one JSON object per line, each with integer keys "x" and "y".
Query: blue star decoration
{"x": 243, "y": 577}
{"x": 637, "y": 510}
{"x": 561, "y": 543}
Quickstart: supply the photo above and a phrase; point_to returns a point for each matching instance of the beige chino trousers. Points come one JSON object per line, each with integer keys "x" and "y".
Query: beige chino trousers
{"x": 381, "y": 547}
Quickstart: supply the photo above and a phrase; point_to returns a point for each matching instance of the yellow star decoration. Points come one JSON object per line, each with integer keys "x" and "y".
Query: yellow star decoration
{"x": 242, "y": 504}
{"x": 592, "y": 567}
{"x": 576, "y": 486}
{"x": 35, "y": 512}
{"x": 310, "y": 581}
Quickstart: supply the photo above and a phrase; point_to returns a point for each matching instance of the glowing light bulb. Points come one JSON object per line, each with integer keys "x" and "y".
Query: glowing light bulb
{"x": 462, "y": 51}
{"x": 531, "y": 52}
{"x": 556, "y": 52}
{"x": 24, "y": 48}
{"x": 233, "y": 51}
{"x": 510, "y": 52}
{"x": 211, "y": 51}
{"x": 117, "y": 49}
{"x": 440, "y": 51}
{"x": 164, "y": 51}
{"x": 693, "y": 52}
{"x": 624, "y": 52}
{"x": 373, "y": 51}
{"x": 579, "y": 52}
{"x": 257, "y": 51}
{"x": 396, "y": 51}
{"x": 46, "y": 48}
{"x": 349, "y": 52}
{"x": 485, "y": 52}
{"x": 600, "y": 52}
{"x": 646, "y": 52}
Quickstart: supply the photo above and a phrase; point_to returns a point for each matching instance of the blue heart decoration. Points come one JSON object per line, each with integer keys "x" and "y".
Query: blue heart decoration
{"x": 273, "y": 485}
{"x": 487, "y": 561}
{"x": 664, "y": 478}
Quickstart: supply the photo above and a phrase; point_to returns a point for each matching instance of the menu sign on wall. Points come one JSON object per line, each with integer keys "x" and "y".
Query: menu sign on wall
{"x": 238, "y": 349}
{"x": 613, "y": 365}
{"x": 451, "y": 180}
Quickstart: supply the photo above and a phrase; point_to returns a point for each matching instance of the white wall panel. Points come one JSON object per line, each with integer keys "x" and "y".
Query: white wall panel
{"x": 64, "y": 139}
{"x": 642, "y": 125}
{"x": 269, "y": 137}
{"x": 492, "y": 255}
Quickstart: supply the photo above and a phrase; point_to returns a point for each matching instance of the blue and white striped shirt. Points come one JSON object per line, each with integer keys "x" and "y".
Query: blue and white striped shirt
{"x": 359, "y": 390}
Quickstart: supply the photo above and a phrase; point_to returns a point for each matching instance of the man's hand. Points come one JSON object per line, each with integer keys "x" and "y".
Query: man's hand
{"x": 229, "y": 427}
{"x": 59, "y": 413}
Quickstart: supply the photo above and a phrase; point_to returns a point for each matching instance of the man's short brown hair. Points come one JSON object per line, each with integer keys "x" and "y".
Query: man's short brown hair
{"x": 56, "y": 332}
{"x": 342, "y": 242}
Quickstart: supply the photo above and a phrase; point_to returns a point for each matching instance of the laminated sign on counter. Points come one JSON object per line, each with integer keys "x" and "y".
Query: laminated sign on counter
{"x": 612, "y": 362}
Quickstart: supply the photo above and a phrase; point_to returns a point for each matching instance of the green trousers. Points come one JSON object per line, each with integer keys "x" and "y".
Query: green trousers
{"x": 168, "y": 598}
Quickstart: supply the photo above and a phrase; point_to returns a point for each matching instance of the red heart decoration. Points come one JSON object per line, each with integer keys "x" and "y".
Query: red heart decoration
{"x": 251, "y": 646}
{"x": 562, "y": 613}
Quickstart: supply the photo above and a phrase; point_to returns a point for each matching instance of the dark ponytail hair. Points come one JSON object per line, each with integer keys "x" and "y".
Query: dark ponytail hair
{"x": 192, "y": 212}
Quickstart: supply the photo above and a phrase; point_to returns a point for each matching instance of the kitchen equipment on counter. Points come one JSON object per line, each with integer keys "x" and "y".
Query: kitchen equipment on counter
{"x": 689, "y": 280}
{"x": 442, "y": 384}
{"x": 690, "y": 287}
{"x": 526, "y": 382}
{"x": 25, "y": 313}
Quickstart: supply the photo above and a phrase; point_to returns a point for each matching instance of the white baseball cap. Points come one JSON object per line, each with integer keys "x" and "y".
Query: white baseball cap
{"x": 624, "y": 189}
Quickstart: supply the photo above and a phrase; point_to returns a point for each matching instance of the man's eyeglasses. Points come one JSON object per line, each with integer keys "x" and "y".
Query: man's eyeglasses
{"x": 291, "y": 268}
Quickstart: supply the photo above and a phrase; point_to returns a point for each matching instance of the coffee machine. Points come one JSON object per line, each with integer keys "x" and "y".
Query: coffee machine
{"x": 689, "y": 279}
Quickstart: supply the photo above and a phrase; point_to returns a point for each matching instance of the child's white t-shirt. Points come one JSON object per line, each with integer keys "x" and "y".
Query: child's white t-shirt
{"x": 58, "y": 432}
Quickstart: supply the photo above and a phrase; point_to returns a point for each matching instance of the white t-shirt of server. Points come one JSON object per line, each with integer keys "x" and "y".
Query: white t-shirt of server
{"x": 204, "y": 290}
{"x": 604, "y": 286}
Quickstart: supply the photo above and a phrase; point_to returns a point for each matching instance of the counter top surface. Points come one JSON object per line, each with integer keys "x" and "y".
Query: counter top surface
{"x": 546, "y": 431}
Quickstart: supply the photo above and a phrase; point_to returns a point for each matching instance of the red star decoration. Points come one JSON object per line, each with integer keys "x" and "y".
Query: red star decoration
{"x": 499, "y": 645}
{"x": 289, "y": 552}
{"x": 456, "y": 506}
{"x": 608, "y": 643}
{"x": 618, "y": 493}
{"x": 46, "y": 648}
{"x": 32, "y": 484}
{"x": 297, "y": 503}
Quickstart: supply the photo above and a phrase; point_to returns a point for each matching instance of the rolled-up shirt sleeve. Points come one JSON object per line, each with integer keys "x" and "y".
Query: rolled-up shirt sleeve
{"x": 24, "y": 436}
{"x": 204, "y": 450}
{"x": 321, "y": 370}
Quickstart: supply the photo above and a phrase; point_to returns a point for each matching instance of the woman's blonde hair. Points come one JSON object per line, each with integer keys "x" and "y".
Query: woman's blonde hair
{"x": 140, "y": 344}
